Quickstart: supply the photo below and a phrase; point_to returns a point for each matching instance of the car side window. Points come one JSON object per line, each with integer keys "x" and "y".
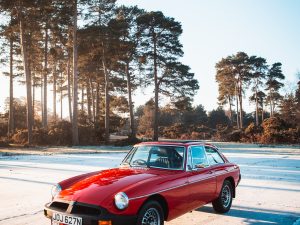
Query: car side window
{"x": 213, "y": 156}
{"x": 198, "y": 157}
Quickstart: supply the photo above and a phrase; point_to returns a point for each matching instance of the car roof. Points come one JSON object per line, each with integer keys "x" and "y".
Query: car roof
{"x": 185, "y": 143}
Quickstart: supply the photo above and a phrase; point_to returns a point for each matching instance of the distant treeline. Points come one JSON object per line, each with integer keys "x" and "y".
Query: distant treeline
{"x": 98, "y": 65}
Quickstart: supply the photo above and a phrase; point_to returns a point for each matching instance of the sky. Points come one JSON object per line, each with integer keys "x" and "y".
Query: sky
{"x": 213, "y": 29}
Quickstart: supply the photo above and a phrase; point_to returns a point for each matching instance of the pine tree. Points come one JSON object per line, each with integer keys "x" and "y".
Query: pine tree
{"x": 233, "y": 73}
{"x": 258, "y": 72}
{"x": 9, "y": 32}
{"x": 273, "y": 86}
{"x": 128, "y": 28}
{"x": 100, "y": 14}
{"x": 226, "y": 85}
{"x": 288, "y": 109}
{"x": 159, "y": 49}
{"x": 26, "y": 12}
{"x": 259, "y": 99}
{"x": 241, "y": 69}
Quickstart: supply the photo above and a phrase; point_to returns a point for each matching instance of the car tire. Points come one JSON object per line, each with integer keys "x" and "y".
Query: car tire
{"x": 223, "y": 203}
{"x": 149, "y": 213}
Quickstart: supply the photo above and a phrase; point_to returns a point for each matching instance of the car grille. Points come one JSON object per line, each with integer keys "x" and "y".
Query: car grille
{"x": 76, "y": 208}
{"x": 60, "y": 206}
{"x": 86, "y": 210}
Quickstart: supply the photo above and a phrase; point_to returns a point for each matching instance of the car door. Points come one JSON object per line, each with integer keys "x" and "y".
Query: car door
{"x": 218, "y": 165}
{"x": 201, "y": 179}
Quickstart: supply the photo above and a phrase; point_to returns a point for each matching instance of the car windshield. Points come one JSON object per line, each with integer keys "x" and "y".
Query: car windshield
{"x": 169, "y": 157}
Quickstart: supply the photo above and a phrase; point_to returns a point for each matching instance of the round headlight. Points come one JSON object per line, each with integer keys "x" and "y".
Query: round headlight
{"x": 121, "y": 200}
{"x": 56, "y": 189}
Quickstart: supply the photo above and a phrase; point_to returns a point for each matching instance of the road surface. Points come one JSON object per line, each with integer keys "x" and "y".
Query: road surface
{"x": 269, "y": 192}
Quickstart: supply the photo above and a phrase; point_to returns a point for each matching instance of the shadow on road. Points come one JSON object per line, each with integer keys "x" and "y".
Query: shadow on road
{"x": 258, "y": 216}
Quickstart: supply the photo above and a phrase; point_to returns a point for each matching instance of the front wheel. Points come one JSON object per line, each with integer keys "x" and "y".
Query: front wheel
{"x": 223, "y": 203}
{"x": 151, "y": 214}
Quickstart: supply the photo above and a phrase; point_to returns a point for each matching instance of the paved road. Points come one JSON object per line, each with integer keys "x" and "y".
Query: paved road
{"x": 269, "y": 192}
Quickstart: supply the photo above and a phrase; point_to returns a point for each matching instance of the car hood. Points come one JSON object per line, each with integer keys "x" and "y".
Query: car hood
{"x": 98, "y": 187}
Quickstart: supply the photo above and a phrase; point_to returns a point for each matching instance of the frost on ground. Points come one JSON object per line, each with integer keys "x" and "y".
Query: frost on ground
{"x": 269, "y": 192}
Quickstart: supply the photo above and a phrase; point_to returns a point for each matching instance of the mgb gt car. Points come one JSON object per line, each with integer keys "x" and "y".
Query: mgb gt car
{"x": 156, "y": 182}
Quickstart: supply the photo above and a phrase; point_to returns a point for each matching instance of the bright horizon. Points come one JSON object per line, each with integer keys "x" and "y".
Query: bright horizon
{"x": 218, "y": 28}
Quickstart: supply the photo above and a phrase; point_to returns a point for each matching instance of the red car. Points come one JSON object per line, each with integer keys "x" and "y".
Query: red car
{"x": 156, "y": 182}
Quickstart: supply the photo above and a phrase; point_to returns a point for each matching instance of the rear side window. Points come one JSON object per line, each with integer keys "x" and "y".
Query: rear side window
{"x": 213, "y": 156}
{"x": 198, "y": 156}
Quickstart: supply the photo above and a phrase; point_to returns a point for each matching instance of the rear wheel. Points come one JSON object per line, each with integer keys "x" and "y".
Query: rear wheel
{"x": 151, "y": 214}
{"x": 223, "y": 203}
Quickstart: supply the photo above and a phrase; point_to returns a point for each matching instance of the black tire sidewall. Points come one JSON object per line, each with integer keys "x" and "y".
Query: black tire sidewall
{"x": 226, "y": 183}
{"x": 145, "y": 207}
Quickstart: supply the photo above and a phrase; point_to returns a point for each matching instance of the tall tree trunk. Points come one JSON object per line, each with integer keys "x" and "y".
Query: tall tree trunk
{"x": 271, "y": 107}
{"x": 241, "y": 105}
{"x": 11, "y": 121}
{"x": 256, "y": 106}
{"x": 237, "y": 114}
{"x": 33, "y": 99}
{"x": 69, "y": 87}
{"x": 131, "y": 121}
{"x": 45, "y": 81}
{"x": 262, "y": 113}
{"x": 230, "y": 109}
{"x": 42, "y": 98}
{"x": 89, "y": 100}
{"x": 82, "y": 98}
{"x": 107, "y": 99}
{"x": 75, "y": 80}
{"x": 93, "y": 100}
{"x": 54, "y": 91}
{"x": 27, "y": 75}
{"x": 156, "y": 86}
{"x": 61, "y": 96}
{"x": 237, "y": 107}
{"x": 97, "y": 102}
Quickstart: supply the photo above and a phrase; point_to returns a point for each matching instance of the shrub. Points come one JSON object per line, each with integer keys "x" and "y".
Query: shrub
{"x": 40, "y": 137}
{"x": 3, "y": 129}
{"x": 184, "y": 136}
{"x": 228, "y": 134}
{"x": 274, "y": 131}
{"x": 127, "y": 141}
{"x": 20, "y": 137}
{"x": 174, "y": 131}
{"x": 253, "y": 133}
{"x": 4, "y": 142}
{"x": 200, "y": 132}
{"x": 60, "y": 133}
{"x": 88, "y": 135}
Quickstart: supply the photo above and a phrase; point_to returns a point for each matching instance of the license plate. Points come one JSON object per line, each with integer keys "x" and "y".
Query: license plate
{"x": 58, "y": 219}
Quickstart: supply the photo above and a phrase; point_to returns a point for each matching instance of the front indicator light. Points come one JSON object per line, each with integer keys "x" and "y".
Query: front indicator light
{"x": 104, "y": 222}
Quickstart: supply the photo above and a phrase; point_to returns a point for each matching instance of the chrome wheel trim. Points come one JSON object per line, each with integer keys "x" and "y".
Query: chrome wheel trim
{"x": 226, "y": 196}
{"x": 151, "y": 217}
